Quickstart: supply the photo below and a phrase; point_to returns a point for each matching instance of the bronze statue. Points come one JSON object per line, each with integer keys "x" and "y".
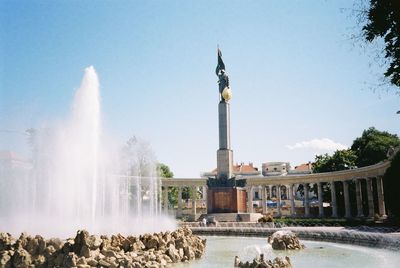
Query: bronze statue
{"x": 223, "y": 79}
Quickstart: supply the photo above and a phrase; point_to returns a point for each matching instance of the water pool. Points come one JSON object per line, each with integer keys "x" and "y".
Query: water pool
{"x": 221, "y": 250}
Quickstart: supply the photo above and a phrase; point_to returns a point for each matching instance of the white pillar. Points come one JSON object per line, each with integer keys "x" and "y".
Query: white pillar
{"x": 346, "y": 199}
{"x": 205, "y": 198}
{"x": 371, "y": 209}
{"x": 278, "y": 205}
{"x": 194, "y": 201}
{"x": 381, "y": 196}
{"x": 360, "y": 212}
{"x": 320, "y": 200}
{"x": 179, "y": 212}
{"x": 264, "y": 199}
{"x": 250, "y": 199}
{"x": 306, "y": 201}
{"x": 165, "y": 198}
{"x": 292, "y": 204}
{"x": 333, "y": 200}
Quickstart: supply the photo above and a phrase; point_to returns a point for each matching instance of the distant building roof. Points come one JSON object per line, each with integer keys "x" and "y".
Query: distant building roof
{"x": 9, "y": 159}
{"x": 304, "y": 167}
{"x": 10, "y": 156}
{"x": 239, "y": 169}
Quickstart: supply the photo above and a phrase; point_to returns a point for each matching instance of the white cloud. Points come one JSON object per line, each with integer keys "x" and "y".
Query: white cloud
{"x": 324, "y": 144}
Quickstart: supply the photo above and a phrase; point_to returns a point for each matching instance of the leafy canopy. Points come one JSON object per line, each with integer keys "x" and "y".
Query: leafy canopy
{"x": 373, "y": 145}
{"x": 383, "y": 21}
{"x": 340, "y": 160}
{"x": 164, "y": 171}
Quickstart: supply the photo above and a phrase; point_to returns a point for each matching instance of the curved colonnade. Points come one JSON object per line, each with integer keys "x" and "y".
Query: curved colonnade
{"x": 366, "y": 182}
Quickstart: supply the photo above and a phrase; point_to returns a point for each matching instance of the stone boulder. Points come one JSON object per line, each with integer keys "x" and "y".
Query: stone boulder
{"x": 285, "y": 240}
{"x": 260, "y": 262}
{"x": 85, "y": 250}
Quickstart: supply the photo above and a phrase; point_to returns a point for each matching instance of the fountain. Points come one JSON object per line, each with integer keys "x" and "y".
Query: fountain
{"x": 72, "y": 183}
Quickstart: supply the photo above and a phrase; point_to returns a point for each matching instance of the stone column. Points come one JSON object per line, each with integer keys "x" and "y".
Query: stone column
{"x": 306, "y": 201}
{"x": 292, "y": 204}
{"x": 381, "y": 197}
{"x": 320, "y": 200}
{"x": 224, "y": 154}
{"x": 194, "y": 201}
{"x": 263, "y": 199}
{"x": 179, "y": 212}
{"x": 360, "y": 212}
{"x": 371, "y": 209}
{"x": 205, "y": 196}
{"x": 346, "y": 199}
{"x": 165, "y": 198}
{"x": 250, "y": 199}
{"x": 278, "y": 205}
{"x": 333, "y": 198}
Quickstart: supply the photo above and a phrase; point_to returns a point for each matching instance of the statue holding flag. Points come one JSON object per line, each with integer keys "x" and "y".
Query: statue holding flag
{"x": 223, "y": 79}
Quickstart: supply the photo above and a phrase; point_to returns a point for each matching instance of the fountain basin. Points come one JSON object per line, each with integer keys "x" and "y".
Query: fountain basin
{"x": 221, "y": 250}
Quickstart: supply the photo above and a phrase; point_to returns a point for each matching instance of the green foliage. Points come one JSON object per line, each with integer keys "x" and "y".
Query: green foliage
{"x": 373, "y": 145}
{"x": 266, "y": 218}
{"x": 340, "y": 160}
{"x": 383, "y": 20}
{"x": 164, "y": 171}
{"x": 391, "y": 184}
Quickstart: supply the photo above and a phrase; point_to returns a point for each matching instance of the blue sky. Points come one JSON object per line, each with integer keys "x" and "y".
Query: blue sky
{"x": 295, "y": 75}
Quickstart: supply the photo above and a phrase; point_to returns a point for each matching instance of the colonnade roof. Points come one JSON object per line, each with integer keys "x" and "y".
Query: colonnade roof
{"x": 376, "y": 170}
{"x": 357, "y": 173}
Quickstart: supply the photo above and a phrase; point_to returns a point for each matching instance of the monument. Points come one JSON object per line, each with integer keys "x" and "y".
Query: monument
{"x": 225, "y": 192}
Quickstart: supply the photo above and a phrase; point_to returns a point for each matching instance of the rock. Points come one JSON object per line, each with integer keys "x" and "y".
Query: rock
{"x": 6, "y": 241}
{"x": 81, "y": 243}
{"x": 39, "y": 261}
{"x": 173, "y": 253}
{"x": 285, "y": 240}
{"x": 91, "y": 262}
{"x": 236, "y": 262}
{"x": 5, "y": 259}
{"x": 94, "y": 242}
{"x": 109, "y": 253}
{"x": 70, "y": 260}
{"x": 81, "y": 260}
{"x": 104, "y": 263}
{"x": 260, "y": 262}
{"x": 22, "y": 241}
{"x": 21, "y": 259}
{"x": 149, "y": 250}
{"x": 55, "y": 242}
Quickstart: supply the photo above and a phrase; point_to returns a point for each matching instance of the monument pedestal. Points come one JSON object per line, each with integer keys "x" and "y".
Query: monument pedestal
{"x": 226, "y": 200}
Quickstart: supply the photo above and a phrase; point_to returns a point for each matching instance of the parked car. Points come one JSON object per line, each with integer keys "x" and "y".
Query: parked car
{"x": 274, "y": 204}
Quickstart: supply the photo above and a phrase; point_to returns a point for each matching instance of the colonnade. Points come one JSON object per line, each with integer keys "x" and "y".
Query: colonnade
{"x": 360, "y": 191}
{"x": 195, "y": 186}
{"x": 292, "y": 189}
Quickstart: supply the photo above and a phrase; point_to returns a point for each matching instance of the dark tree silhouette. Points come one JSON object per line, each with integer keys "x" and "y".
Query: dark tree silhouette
{"x": 383, "y": 21}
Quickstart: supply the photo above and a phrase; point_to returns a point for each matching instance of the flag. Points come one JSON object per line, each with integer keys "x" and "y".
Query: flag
{"x": 221, "y": 65}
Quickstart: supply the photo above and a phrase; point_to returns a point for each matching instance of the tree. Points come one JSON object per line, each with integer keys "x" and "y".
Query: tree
{"x": 164, "y": 171}
{"x": 383, "y": 21}
{"x": 391, "y": 185}
{"x": 340, "y": 160}
{"x": 373, "y": 145}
